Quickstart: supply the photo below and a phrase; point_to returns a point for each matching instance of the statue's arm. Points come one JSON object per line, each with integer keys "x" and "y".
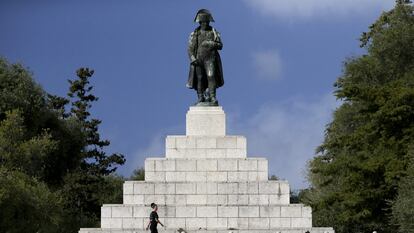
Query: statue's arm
{"x": 215, "y": 43}
{"x": 218, "y": 44}
{"x": 191, "y": 47}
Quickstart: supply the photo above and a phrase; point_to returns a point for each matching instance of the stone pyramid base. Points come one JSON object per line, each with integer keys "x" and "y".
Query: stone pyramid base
{"x": 206, "y": 184}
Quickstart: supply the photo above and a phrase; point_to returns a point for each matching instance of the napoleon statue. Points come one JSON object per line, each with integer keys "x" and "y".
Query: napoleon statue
{"x": 206, "y": 72}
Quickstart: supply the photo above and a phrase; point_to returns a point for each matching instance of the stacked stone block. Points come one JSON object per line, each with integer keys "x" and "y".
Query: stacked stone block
{"x": 206, "y": 183}
{"x": 206, "y": 170}
{"x": 207, "y": 193}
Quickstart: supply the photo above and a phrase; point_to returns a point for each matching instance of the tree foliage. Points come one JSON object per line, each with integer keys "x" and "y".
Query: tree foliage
{"x": 95, "y": 159}
{"x": 27, "y": 205}
{"x": 365, "y": 154}
{"x": 138, "y": 174}
{"x": 403, "y": 206}
{"x": 54, "y": 171}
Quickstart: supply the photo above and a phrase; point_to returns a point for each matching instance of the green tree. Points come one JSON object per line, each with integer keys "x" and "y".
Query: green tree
{"x": 88, "y": 187}
{"x": 365, "y": 152}
{"x": 54, "y": 173}
{"x": 403, "y": 206}
{"x": 27, "y": 205}
{"x": 41, "y": 114}
{"x": 138, "y": 174}
{"x": 26, "y": 155}
{"x": 19, "y": 91}
{"x": 95, "y": 159}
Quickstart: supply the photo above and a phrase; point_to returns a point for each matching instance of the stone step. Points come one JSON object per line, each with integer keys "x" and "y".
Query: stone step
{"x": 207, "y": 199}
{"x": 162, "y": 230}
{"x": 126, "y": 210}
{"x": 278, "y": 187}
{"x": 210, "y": 223}
{"x": 203, "y": 170}
{"x": 211, "y": 217}
{"x": 182, "y": 146}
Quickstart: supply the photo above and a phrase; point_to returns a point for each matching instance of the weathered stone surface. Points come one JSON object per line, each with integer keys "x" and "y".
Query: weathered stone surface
{"x": 279, "y": 222}
{"x": 227, "y": 165}
{"x": 217, "y": 199}
{"x": 238, "y": 199}
{"x": 164, "y": 165}
{"x": 205, "y": 147}
{"x": 132, "y": 223}
{"x": 291, "y": 211}
{"x": 248, "y": 165}
{"x": 228, "y": 211}
{"x": 207, "y": 211}
{"x": 160, "y": 199}
{"x": 207, "y": 188}
{"x": 144, "y": 188}
{"x": 128, "y": 188}
{"x": 301, "y": 222}
{"x": 259, "y": 223}
{"x": 249, "y": 211}
{"x": 237, "y": 176}
{"x": 121, "y": 211}
{"x": 207, "y": 165}
{"x": 185, "y": 188}
{"x": 106, "y": 211}
{"x": 270, "y": 211}
{"x": 149, "y": 165}
{"x": 226, "y": 142}
{"x": 196, "y": 199}
{"x": 227, "y": 188}
{"x": 164, "y": 188}
{"x": 185, "y": 211}
{"x": 203, "y": 169}
{"x": 195, "y": 223}
{"x": 196, "y": 176}
{"x": 155, "y": 176}
{"x": 216, "y": 223}
{"x": 175, "y": 223}
{"x": 175, "y": 176}
{"x": 205, "y": 121}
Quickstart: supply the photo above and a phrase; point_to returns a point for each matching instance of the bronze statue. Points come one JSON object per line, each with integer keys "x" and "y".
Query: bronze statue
{"x": 206, "y": 72}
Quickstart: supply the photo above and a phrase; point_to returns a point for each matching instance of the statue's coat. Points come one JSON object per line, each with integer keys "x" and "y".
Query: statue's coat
{"x": 192, "y": 77}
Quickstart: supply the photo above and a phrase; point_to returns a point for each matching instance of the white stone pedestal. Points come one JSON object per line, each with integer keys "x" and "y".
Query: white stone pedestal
{"x": 206, "y": 183}
{"x": 205, "y": 121}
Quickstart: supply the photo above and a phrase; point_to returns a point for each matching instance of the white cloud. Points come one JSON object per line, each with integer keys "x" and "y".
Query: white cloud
{"x": 304, "y": 9}
{"x": 287, "y": 133}
{"x": 268, "y": 64}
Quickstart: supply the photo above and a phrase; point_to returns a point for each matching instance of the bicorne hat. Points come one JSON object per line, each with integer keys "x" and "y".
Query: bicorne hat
{"x": 203, "y": 15}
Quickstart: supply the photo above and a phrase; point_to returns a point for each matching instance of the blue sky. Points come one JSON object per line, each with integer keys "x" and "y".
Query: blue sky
{"x": 280, "y": 60}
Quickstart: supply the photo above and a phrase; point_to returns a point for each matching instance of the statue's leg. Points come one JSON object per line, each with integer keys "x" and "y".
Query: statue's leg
{"x": 200, "y": 86}
{"x": 210, "y": 72}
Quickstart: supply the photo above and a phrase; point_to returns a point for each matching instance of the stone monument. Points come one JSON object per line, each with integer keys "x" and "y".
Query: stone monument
{"x": 206, "y": 183}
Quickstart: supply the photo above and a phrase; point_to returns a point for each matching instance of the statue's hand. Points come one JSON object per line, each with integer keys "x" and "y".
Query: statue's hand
{"x": 208, "y": 43}
{"x": 195, "y": 62}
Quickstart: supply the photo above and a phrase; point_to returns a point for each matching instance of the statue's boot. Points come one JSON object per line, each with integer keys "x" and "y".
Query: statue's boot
{"x": 213, "y": 99}
{"x": 200, "y": 97}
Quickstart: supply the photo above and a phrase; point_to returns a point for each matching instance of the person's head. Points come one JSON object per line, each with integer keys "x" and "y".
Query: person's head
{"x": 203, "y": 17}
{"x": 154, "y": 206}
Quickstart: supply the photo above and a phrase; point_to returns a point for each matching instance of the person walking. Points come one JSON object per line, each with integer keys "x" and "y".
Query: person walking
{"x": 153, "y": 219}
